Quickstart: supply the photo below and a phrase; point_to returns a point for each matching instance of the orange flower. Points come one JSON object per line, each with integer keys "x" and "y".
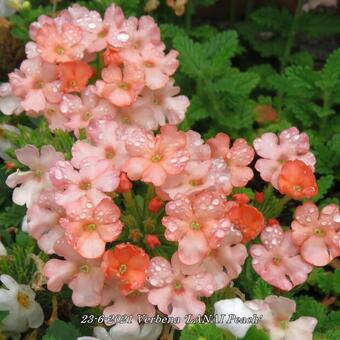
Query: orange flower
{"x": 248, "y": 220}
{"x": 155, "y": 204}
{"x": 111, "y": 56}
{"x": 74, "y": 75}
{"x": 127, "y": 263}
{"x": 297, "y": 180}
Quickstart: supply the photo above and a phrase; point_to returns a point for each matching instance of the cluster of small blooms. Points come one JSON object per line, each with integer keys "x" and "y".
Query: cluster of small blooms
{"x": 71, "y": 210}
{"x": 123, "y": 59}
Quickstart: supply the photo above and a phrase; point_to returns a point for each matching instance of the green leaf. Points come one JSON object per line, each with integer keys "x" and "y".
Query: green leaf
{"x": 205, "y": 332}
{"x": 261, "y": 289}
{"x": 256, "y": 334}
{"x": 3, "y": 314}
{"x": 237, "y": 83}
{"x": 324, "y": 184}
{"x": 331, "y": 72}
{"x": 12, "y": 216}
{"x": 60, "y": 330}
{"x": 191, "y": 55}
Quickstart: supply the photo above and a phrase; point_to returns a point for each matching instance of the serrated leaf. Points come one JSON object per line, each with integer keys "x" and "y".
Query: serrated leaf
{"x": 324, "y": 184}
{"x": 237, "y": 83}
{"x": 60, "y": 330}
{"x": 261, "y": 289}
{"x": 12, "y": 216}
{"x": 191, "y": 55}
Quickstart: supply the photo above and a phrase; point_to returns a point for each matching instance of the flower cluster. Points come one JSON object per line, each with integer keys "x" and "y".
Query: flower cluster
{"x": 81, "y": 209}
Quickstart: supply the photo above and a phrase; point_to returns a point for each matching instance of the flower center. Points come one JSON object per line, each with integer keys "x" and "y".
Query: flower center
{"x": 73, "y": 83}
{"x": 195, "y": 225}
{"x": 178, "y": 285}
{"x": 86, "y": 116}
{"x": 84, "y": 268}
{"x": 85, "y": 186}
{"x": 284, "y": 324}
{"x": 156, "y": 158}
{"x": 122, "y": 268}
{"x": 103, "y": 33}
{"x": 91, "y": 227}
{"x": 318, "y": 232}
{"x": 124, "y": 86}
{"x": 277, "y": 260}
{"x": 38, "y": 84}
{"x": 195, "y": 182}
{"x": 50, "y": 112}
{"x": 59, "y": 50}
{"x": 23, "y": 299}
{"x": 110, "y": 153}
{"x": 38, "y": 173}
{"x": 149, "y": 64}
{"x": 297, "y": 188}
{"x": 156, "y": 101}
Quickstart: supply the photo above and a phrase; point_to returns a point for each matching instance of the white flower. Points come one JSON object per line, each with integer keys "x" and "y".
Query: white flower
{"x": 19, "y": 301}
{"x": 24, "y": 224}
{"x": 3, "y": 251}
{"x": 126, "y": 331}
{"x": 240, "y": 310}
{"x": 4, "y": 143}
{"x": 8, "y": 7}
{"x": 34, "y": 181}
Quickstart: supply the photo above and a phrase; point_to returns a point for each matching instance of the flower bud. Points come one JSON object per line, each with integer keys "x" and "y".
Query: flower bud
{"x": 241, "y": 198}
{"x": 259, "y": 197}
{"x": 152, "y": 241}
{"x": 125, "y": 184}
{"x": 155, "y": 204}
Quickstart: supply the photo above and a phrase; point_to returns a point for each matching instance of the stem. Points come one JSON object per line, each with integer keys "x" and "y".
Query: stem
{"x": 289, "y": 44}
{"x": 188, "y": 14}
{"x": 292, "y": 34}
{"x": 130, "y": 204}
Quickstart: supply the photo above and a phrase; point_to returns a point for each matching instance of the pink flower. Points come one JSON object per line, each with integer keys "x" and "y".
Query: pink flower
{"x": 60, "y": 41}
{"x": 198, "y": 225}
{"x": 153, "y": 158}
{"x": 35, "y": 180}
{"x": 55, "y": 118}
{"x": 277, "y": 311}
{"x": 278, "y": 261}
{"x": 106, "y": 144}
{"x": 120, "y": 86}
{"x": 195, "y": 176}
{"x": 237, "y": 157}
{"x": 317, "y": 233}
{"x": 88, "y": 228}
{"x": 139, "y": 33}
{"x": 43, "y": 221}
{"x": 165, "y": 103}
{"x": 36, "y": 83}
{"x": 174, "y": 293}
{"x": 84, "y": 277}
{"x": 136, "y": 303}
{"x": 97, "y": 31}
{"x": 276, "y": 150}
{"x": 9, "y": 103}
{"x": 92, "y": 180}
{"x": 156, "y": 65}
{"x": 80, "y": 110}
{"x": 225, "y": 262}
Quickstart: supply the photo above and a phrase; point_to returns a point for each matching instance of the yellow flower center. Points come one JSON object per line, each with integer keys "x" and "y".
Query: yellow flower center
{"x": 86, "y": 116}
{"x": 318, "y": 232}
{"x": 122, "y": 268}
{"x": 91, "y": 227}
{"x": 156, "y": 158}
{"x": 84, "y": 268}
{"x": 277, "y": 260}
{"x": 23, "y": 299}
{"x": 59, "y": 50}
{"x": 195, "y": 225}
{"x": 85, "y": 186}
{"x": 124, "y": 86}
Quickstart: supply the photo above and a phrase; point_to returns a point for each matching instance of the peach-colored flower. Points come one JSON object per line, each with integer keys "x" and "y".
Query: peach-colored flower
{"x": 278, "y": 260}
{"x": 153, "y": 158}
{"x": 317, "y": 233}
{"x": 88, "y": 228}
{"x": 127, "y": 263}
{"x": 276, "y": 150}
{"x": 198, "y": 225}
{"x": 120, "y": 86}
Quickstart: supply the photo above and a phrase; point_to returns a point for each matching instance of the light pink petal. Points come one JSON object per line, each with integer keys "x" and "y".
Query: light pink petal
{"x": 34, "y": 100}
{"x": 159, "y": 272}
{"x": 90, "y": 245}
{"x": 29, "y": 155}
{"x": 135, "y": 167}
{"x": 315, "y": 251}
